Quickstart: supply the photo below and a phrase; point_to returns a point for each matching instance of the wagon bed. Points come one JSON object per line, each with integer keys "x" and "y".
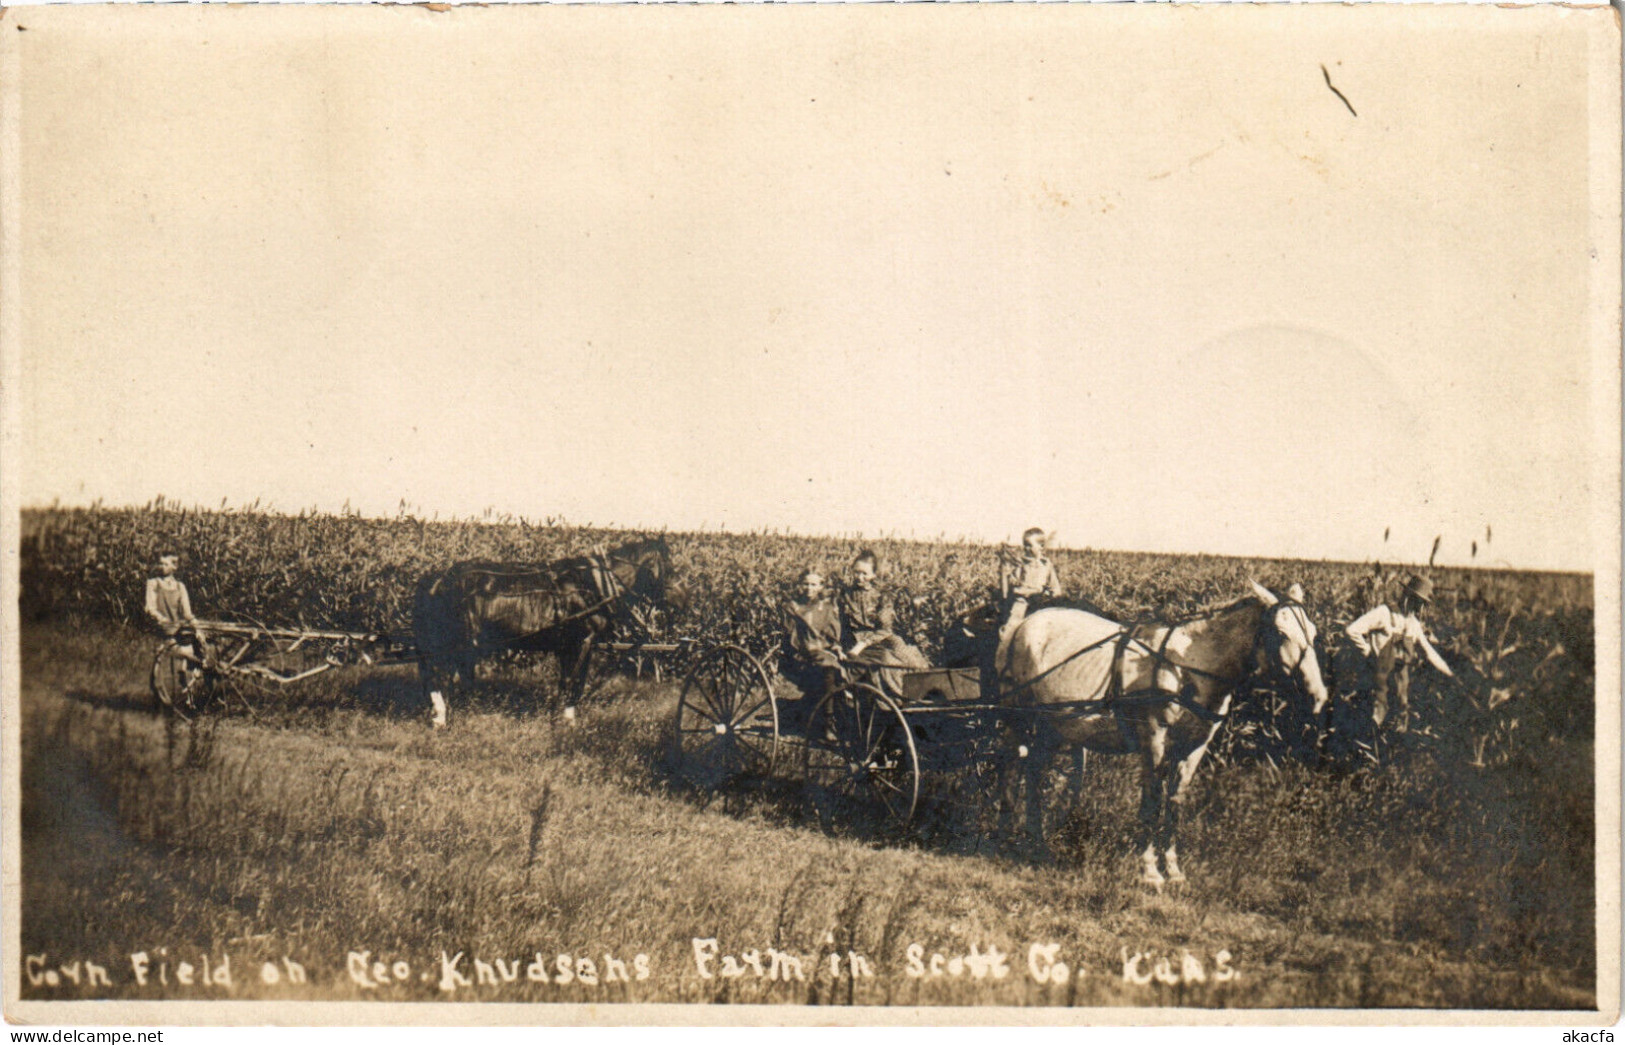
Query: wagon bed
{"x": 859, "y": 747}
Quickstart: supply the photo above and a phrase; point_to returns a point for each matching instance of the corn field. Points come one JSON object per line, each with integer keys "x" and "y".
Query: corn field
{"x": 1520, "y": 643}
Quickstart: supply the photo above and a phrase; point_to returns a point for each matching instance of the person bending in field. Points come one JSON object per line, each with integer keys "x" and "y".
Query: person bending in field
{"x": 1023, "y": 580}
{"x": 868, "y": 620}
{"x": 810, "y": 657}
{"x": 1388, "y": 640}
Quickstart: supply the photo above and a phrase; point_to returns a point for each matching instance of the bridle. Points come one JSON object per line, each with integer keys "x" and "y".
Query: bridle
{"x": 638, "y": 604}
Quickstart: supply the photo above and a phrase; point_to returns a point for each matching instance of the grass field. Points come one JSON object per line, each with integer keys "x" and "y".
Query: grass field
{"x": 1453, "y": 868}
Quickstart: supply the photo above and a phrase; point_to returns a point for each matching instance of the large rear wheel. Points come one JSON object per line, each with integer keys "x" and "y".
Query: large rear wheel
{"x": 727, "y": 720}
{"x": 861, "y": 762}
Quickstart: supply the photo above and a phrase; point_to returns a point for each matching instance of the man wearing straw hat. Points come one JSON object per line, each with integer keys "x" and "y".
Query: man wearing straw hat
{"x": 1388, "y": 640}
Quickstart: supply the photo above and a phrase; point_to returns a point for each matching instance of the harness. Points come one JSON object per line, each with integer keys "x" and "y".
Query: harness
{"x": 600, "y": 567}
{"x": 1137, "y": 637}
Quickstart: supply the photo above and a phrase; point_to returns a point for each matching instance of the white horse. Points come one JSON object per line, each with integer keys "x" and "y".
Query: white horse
{"x": 1161, "y": 690}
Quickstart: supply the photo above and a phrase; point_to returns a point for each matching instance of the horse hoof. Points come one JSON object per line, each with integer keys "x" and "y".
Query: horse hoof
{"x": 570, "y": 716}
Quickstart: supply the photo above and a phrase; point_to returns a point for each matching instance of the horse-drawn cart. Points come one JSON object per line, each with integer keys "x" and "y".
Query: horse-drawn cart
{"x": 244, "y": 660}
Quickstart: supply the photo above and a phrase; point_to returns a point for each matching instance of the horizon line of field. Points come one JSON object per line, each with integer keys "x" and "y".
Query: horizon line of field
{"x": 491, "y": 517}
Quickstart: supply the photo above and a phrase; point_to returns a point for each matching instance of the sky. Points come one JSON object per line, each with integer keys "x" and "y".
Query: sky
{"x": 1136, "y": 275}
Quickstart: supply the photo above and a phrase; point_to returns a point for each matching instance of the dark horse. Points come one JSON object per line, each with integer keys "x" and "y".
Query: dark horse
{"x": 475, "y": 609}
{"x": 1158, "y": 690}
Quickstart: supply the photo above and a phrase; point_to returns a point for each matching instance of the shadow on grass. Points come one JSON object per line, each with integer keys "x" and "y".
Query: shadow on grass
{"x": 955, "y": 813}
{"x": 388, "y": 693}
{"x": 393, "y": 695}
{"x": 112, "y": 701}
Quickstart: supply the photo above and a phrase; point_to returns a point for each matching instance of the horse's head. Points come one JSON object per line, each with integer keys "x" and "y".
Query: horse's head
{"x": 653, "y": 577}
{"x": 1286, "y": 642}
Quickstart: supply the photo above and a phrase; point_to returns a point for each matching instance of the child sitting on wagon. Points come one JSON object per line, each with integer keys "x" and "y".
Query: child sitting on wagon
{"x": 868, "y": 620}
{"x": 810, "y": 656}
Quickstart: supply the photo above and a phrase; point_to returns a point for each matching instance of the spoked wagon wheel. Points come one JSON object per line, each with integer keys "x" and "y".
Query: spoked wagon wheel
{"x": 860, "y": 758}
{"x": 727, "y": 720}
{"x": 179, "y": 682}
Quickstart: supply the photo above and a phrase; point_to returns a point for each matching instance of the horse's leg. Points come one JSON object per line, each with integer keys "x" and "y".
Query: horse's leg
{"x": 1153, "y": 755}
{"x": 435, "y": 679}
{"x": 1074, "y": 779}
{"x": 1008, "y": 765}
{"x": 566, "y": 658}
{"x": 1179, "y": 778}
{"x": 584, "y": 669}
{"x": 580, "y": 658}
{"x": 1040, "y": 753}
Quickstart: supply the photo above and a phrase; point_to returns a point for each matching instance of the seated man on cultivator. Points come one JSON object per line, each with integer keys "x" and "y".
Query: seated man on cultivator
{"x": 868, "y": 620}
{"x": 167, "y": 603}
{"x": 170, "y": 608}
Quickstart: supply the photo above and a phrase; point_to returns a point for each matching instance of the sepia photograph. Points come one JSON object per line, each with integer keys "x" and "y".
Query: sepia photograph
{"x": 831, "y": 513}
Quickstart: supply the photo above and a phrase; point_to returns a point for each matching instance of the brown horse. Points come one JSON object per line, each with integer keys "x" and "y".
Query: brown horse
{"x": 1159, "y": 690}
{"x": 475, "y": 609}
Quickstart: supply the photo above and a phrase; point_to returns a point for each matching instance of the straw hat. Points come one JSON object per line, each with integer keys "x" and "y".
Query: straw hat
{"x": 1420, "y": 587}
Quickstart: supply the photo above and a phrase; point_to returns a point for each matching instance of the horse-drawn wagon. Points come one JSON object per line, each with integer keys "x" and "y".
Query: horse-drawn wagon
{"x": 1069, "y": 679}
{"x": 858, "y": 746}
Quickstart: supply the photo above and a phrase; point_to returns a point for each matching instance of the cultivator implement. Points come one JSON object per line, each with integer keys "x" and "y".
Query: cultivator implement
{"x": 203, "y": 665}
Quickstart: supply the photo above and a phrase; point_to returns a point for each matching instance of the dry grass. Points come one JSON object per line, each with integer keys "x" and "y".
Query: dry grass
{"x": 341, "y": 823}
